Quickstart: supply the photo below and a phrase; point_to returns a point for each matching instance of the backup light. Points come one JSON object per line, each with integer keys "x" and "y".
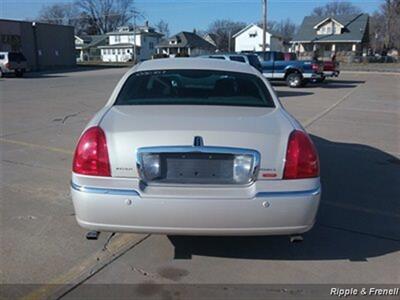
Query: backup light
{"x": 242, "y": 166}
{"x": 152, "y": 163}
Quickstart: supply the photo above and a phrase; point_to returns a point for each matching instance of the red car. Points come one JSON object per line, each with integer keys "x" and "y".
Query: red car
{"x": 331, "y": 68}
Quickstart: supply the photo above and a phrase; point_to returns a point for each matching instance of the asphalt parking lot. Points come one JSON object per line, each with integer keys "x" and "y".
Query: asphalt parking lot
{"x": 354, "y": 121}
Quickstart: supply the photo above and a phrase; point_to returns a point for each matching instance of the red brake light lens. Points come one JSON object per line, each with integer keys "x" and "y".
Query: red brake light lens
{"x": 315, "y": 67}
{"x": 301, "y": 157}
{"x": 91, "y": 154}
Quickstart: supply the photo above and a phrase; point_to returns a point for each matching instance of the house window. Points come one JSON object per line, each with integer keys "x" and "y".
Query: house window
{"x": 117, "y": 38}
{"x": 253, "y": 34}
{"x": 113, "y": 51}
{"x": 151, "y": 45}
{"x": 343, "y": 47}
{"x": 327, "y": 47}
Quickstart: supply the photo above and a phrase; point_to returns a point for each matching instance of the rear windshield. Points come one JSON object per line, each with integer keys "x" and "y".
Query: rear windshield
{"x": 194, "y": 87}
{"x": 16, "y": 56}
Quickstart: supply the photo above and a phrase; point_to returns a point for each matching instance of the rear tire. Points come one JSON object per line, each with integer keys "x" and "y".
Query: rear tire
{"x": 294, "y": 80}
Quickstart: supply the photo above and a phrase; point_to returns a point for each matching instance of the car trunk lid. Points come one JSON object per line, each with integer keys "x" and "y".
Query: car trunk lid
{"x": 129, "y": 128}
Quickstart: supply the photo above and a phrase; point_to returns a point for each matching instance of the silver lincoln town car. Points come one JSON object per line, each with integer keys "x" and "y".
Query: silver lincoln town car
{"x": 195, "y": 146}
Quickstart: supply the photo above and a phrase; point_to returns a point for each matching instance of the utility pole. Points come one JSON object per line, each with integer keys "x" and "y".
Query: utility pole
{"x": 264, "y": 27}
{"x": 229, "y": 39}
{"x": 134, "y": 38}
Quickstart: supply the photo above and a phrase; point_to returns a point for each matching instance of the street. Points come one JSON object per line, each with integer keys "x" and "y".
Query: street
{"x": 354, "y": 121}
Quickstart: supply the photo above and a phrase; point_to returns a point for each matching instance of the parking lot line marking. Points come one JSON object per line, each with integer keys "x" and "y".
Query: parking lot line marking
{"x": 318, "y": 116}
{"x": 66, "y": 282}
{"x": 53, "y": 149}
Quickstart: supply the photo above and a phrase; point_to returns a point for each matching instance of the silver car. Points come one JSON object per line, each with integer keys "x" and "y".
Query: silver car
{"x": 195, "y": 146}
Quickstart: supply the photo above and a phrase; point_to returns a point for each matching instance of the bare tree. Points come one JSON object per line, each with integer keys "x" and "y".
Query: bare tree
{"x": 285, "y": 28}
{"x": 107, "y": 15}
{"x": 390, "y": 17}
{"x": 377, "y": 32}
{"x": 336, "y": 8}
{"x": 162, "y": 27}
{"x": 224, "y": 30}
{"x": 59, "y": 13}
{"x": 384, "y": 26}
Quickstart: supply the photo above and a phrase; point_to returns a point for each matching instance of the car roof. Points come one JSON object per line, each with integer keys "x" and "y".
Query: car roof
{"x": 194, "y": 63}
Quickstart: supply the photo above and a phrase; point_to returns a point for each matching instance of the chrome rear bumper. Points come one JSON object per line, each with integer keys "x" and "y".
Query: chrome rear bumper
{"x": 268, "y": 213}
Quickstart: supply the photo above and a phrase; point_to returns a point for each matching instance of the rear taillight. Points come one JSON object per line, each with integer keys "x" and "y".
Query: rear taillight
{"x": 301, "y": 157}
{"x": 7, "y": 65}
{"x": 91, "y": 154}
{"x": 315, "y": 67}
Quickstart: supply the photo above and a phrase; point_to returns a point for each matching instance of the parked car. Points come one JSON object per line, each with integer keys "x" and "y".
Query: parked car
{"x": 195, "y": 147}
{"x": 248, "y": 58}
{"x": 296, "y": 73}
{"x": 12, "y": 62}
{"x": 331, "y": 69}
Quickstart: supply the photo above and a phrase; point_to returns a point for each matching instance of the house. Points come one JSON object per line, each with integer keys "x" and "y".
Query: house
{"x": 250, "y": 38}
{"x": 345, "y": 35}
{"x": 45, "y": 46}
{"x": 122, "y": 43}
{"x": 86, "y": 47}
{"x": 185, "y": 43}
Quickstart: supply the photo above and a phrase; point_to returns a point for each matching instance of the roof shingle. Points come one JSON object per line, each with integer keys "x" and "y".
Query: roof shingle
{"x": 187, "y": 40}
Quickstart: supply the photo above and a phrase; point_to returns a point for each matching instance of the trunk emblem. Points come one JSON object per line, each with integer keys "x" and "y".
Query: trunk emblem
{"x": 198, "y": 141}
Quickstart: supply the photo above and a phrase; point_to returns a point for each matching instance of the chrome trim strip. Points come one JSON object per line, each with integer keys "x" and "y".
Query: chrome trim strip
{"x": 121, "y": 192}
{"x": 105, "y": 191}
{"x": 313, "y": 192}
{"x": 202, "y": 149}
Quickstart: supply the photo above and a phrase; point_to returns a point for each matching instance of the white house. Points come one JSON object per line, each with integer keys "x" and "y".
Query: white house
{"x": 123, "y": 42}
{"x": 250, "y": 38}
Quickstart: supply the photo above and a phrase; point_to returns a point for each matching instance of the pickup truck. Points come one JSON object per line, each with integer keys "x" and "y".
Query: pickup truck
{"x": 296, "y": 73}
